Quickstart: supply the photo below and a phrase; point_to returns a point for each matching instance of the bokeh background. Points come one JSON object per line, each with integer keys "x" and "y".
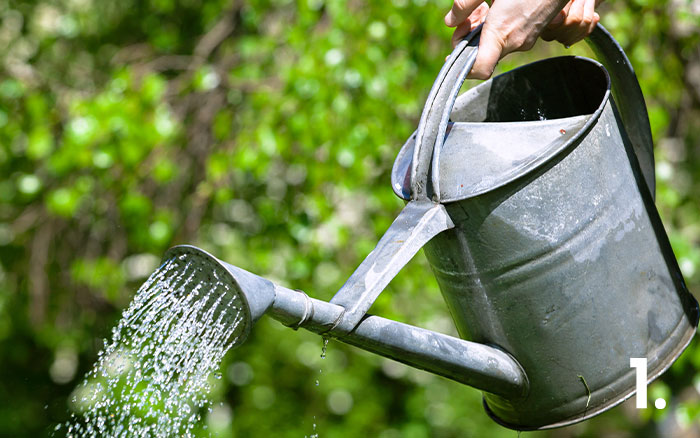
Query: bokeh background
{"x": 264, "y": 132}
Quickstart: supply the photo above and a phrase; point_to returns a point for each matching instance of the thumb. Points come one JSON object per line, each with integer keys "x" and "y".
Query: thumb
{"x": 490, "y": 51}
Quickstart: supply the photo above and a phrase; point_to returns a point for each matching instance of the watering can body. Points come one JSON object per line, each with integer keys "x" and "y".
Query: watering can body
{"x": 558, "y": 255}
{"x": 563, "y": 263}
{"x": 532, "y": 196}
{"x": 571, "y": 275}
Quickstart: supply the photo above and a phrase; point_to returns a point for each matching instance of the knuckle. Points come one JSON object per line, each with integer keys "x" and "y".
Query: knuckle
{"x": 521, "y": 41}
{"x": 528, "y": 44}
{"x": 574, "y": 17}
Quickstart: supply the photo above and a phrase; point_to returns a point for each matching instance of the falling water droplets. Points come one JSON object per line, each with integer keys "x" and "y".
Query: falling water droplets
{"x": 325, "y": 346}
{"x": 314, "y": 433}
{"x": 151, "y": 378}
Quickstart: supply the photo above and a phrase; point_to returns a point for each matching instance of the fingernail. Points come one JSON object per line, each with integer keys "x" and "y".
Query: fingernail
{"x": 448, "y": 19}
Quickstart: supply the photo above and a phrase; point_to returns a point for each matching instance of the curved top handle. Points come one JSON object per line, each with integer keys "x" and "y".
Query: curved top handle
{"x": 436, "y": 113}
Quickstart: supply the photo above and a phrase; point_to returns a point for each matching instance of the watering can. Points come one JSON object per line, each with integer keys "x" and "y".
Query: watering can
{"x": 532, "y": 195}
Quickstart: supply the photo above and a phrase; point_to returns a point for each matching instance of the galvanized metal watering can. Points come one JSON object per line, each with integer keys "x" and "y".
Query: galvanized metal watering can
{"x": 532, "y": 196}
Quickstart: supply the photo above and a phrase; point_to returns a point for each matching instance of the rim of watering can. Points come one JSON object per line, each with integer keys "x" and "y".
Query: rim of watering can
{"x": 400, "y": 178}
{"x": 216, "y": 264}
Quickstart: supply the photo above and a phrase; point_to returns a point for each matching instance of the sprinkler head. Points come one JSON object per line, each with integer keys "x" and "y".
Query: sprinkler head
{"x": 246, "y": 294}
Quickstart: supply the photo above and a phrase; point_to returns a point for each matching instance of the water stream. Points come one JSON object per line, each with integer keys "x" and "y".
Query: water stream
{"x": 314, "y": 432}
{"x": 152, "y": 379}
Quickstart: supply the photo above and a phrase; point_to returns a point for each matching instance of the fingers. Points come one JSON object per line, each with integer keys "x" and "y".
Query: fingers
{"x": 459, "y": 33}
{"x": 575, "y": 22}
{"x": 507, "y": 29}
{"x": 591, "y": 16}
{"x": 581, "y": 21}
{"x": 491, "y": 50}
{"x": 550, "y": 31}
{"x": 472, "y": 21}
{"x": 516, "y": 24}
{"x": 461, "y": 9}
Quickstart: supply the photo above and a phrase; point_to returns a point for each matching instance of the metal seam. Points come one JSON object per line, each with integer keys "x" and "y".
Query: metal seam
{"x": 308, "y": 311}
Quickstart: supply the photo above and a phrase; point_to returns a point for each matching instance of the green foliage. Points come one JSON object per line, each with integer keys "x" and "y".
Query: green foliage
{"x": 264, "y": 131}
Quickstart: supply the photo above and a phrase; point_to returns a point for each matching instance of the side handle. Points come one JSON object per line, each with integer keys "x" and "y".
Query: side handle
{"x": 417, "y": 223}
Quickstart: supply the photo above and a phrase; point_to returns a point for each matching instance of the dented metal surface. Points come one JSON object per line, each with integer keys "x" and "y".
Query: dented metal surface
{"x": 570, "y": 278}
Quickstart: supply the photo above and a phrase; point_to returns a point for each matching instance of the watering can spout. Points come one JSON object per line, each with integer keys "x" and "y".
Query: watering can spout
{"x": 484, "y": 367}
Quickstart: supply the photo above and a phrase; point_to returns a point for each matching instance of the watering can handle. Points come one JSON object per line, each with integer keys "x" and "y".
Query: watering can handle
{"x": 436, "y": 113}
{"x": 421, "y": 219}
{"x": 628, "y": 98}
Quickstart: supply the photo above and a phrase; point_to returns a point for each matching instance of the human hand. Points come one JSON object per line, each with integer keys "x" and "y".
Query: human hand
{"x": 573, "y": 23}
{"x": 515, "y": 25}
